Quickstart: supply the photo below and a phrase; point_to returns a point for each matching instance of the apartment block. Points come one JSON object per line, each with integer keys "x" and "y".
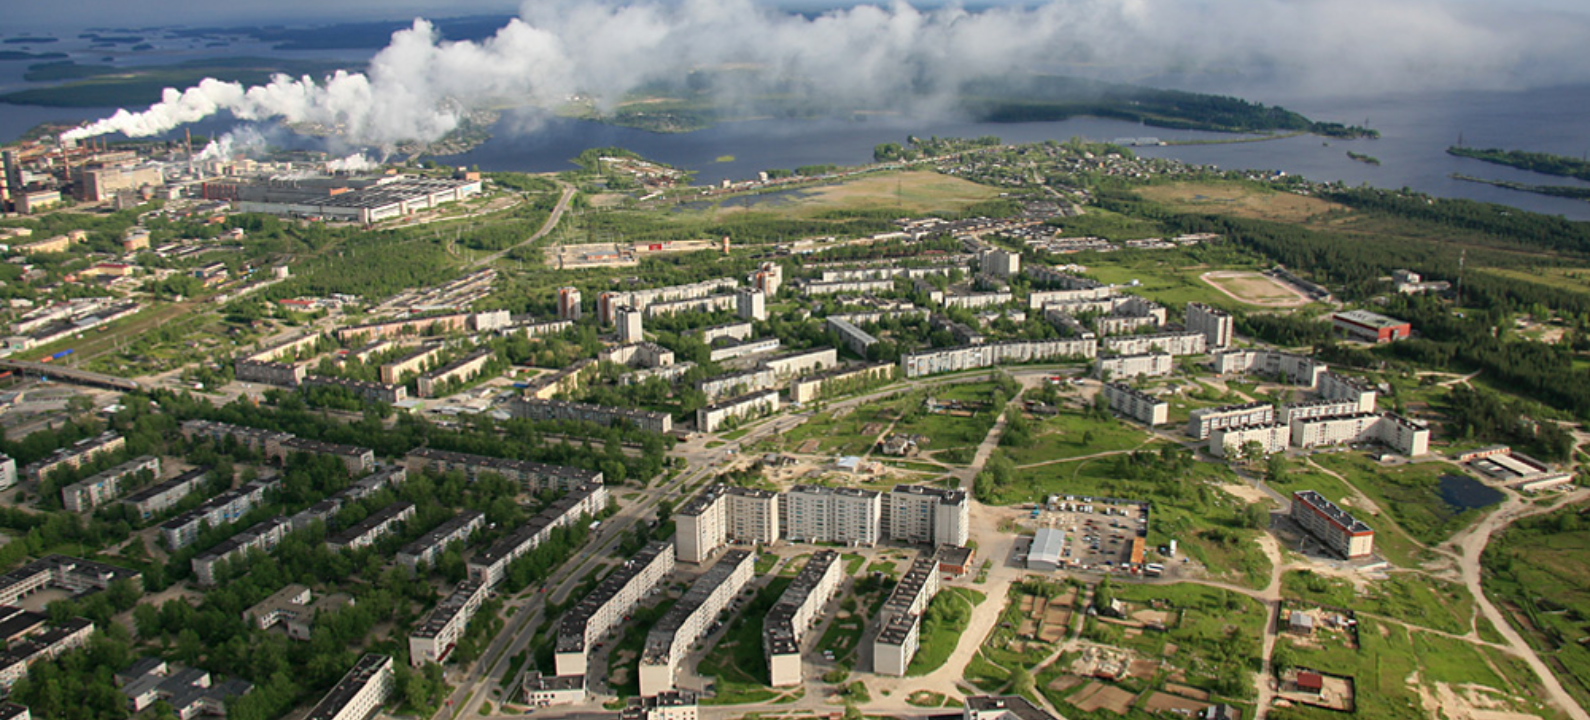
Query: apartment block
{"x": 568, "y": 303}
{"x": 812, "y": 387}
{"x": 102, "y": 487}
{"x": 750, "y": 304}
{"x": 366, "y": 532}
{"x": 1203, "y": 421}
{"x": 360, "y": 693}
{"x": 712, "y": 417}
{"x": 1126, "y": 367}
{"x": 899, "y": 635}
{"x": 74, "y": 575}
{"x": 631, "y": 324}
{"x": 795, "y": 612}
{"x": 1390, "y": 429}
{"x": 802, "y": 363}
{"x": 1316, "y": 409}
{"x": 1216, "y": 325}
{"x": 356, "y": 459}
{"x": 430, "y": 546}
{"x": 538, "y": 409}
{"x": 1174, "y": 343}
{"x": 262, "y": 536}
{"x": 864, "y": 287}
{"x": 690, "y": 618}
{"x": 1136, "y": 404}
{"x": 637, "y": 355}
{"x": 491, "y": 565}
{"x": 820, "y": 514}
{"x": 1335, "y": 386}
{"x": 600, "y": 612}
{"x": 411, "y": 363}
{"x": 49, "y": 644}
{"x": 607, "y": 303}
{"x": 732, "y": 331}
{"x": 924, "y": 514}
{"x": 535, "y": 477}
{"x": 851, "y": 335}
{"x": 1336, "y": 528}
{"x": 83, "y": 451}
{"x": 436, "y": 636}
{"x": 224, "y": 509}
{"x": 254, "y": 439}
{"x": 461, "y": 370}
{"x": 972, "y": 357}
{"x": 743, "y": 348}
{"x": 739, "y": 383}
{"x": 721, "y": 514}
{"x": 1287, "y": 367}
{"x": 8, "y": 474}
{"x": 1228, "y": 441}
{"x": 164, "y": 495}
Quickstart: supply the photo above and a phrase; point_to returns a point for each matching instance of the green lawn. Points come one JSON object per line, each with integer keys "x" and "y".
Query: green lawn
{"x": 1216, "y": 634}
{"x": 1538, "y": 574}
{"x": 736, "y": 662}
{"x": 1392, "y": 543}
{"x": 942, "y": 625}
{"x": 1071, "y": 434}
{"x": 1415, "y": 599}
{"x": 1410, "y": 493}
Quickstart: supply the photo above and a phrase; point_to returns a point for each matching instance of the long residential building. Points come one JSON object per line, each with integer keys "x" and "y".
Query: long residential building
{"x": 900, "y": 632}
{"x": 356, "y": 459}
{"x": 360, "y": 693}
{"x": 436, "y": 636}
{"x": 491, "y": 565}
{"x": 535, "y": 477}
{"x": 538, "y": 409}
{"x": 721, "y": 514}
{"x": 1125, "y": 367}
{"x": 430, "y": 546}
{"x": 865, "y": 287}
{"x": 164, "y": 495}
{"x": 607, "y": 303}
{"x": 1136, "y": 404}
{"x": 1173, "y": 343}
{"x": 262, "y": 536}
{"x": 1336, "y": 528}
{"x": 1203, "y": 421}
{"x": 600, "y": 612}
{"x": 743, "y": 348}
{"x": 74, "y": 575}
{"x": 224, "y": 509}
{"x": 448, "y": 323}
{"x": 925, "y": 514}
{"x": 1288, "y": 367}
{"x": 18, "y": 656}
{"x": 1390, "y": 429}
{"x": 460, "y": 370}
{"x": 845, "y": 515}
{"x": 364, "y": 390}
{"x": 412, "y": 363}
{"x": 1346, "y": 388}
{"x": 802, "y": 363}
{"x": 851, "y": 335}
{"x": 739, "y": 383}
{"x": 714, "y": 416}
{"x": 83, "y": 451}
{"x": 690, "y": 618}
{"x": 366, "y": 532}
{"x": 255, "y": 439}
{"x": 813, "y": 387}
{"x": 970, "y": 357}
{"x": 102, "y": 487}
{"x": 1317, "y": 409}
{"x": 795, "y": 612}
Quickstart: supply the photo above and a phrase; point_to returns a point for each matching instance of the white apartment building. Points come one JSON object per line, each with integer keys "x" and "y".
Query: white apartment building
{"x": 1392, "y": 430}
{"x": 1126, "y": 367}
{"x": 1288, "y": 367}
{"x": 436, "y": 636}
{"x": 971, "y": 357}
{"x": 1335, "y": 386}
{"x": 1136, "y": 404}
{"x": 1228, "y": 441}
{"x": 1203, "y": 421}
{"x": 598, "y": 613}
{"x": 688, "y": 619}
{"x": 751, "y": 304}
{"x": 102, "y": 487}
{"x": 1215, "y": 324}
{"x": 360, "y": 693}
{"x": 712, "y": 417}
{"x": 721, "y": 514}
{"x": 924, "y": 514}
{"x": 899, "y": 636}
{"x": 815, "y": 514}
{"x": 1174, "y": 343}
{"x": 795, "y": 612}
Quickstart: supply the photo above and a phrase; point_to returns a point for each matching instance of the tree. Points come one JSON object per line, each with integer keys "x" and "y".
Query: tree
{"x": 1104, "y": 594}
{"x": 1021, "y": 682}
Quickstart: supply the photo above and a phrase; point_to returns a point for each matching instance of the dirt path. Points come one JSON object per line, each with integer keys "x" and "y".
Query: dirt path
{"x": 1470, "y": 544}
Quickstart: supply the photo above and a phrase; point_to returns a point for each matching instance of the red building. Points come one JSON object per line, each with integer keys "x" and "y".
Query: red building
{"x": 1370, "y": 327}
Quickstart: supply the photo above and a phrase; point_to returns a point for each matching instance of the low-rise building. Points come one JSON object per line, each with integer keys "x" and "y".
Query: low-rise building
{"x": 81, "y": 452}
{"x": 1370, "y": 327}
{"x": 74, "y": 575}
{"x": 49, "y": 644}
{"x": 189, "y": 692}
{"x": 538, "y": 409}
{"x": 490, "y": 566}
{"x": 714, "y": 416}
{"x": 535, "y": 477}
{"x": 667, "y": 705}
{"x": 547, "y": 690}
{"x": 164, "y": 495}
{"x": 295, "y": 608}
{"x": 262, "y": 536}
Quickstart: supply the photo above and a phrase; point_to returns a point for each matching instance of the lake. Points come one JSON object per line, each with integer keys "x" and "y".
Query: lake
{"x": 1464, "y": 493}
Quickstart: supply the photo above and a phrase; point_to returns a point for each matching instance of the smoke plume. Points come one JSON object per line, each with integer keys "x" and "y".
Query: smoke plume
{"x": 890, "y": 56}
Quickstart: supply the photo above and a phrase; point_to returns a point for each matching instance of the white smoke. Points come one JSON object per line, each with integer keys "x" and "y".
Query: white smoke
{"x": 246, "y": 140}
{"x": 891, "y": 56}
{"x": 355, "y": 163}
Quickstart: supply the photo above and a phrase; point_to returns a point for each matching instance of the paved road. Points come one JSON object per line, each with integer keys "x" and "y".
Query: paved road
{"x": 546, "y": 227}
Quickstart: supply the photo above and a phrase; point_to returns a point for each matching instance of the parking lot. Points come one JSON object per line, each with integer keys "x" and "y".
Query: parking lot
{"x": 1099, "y": 532}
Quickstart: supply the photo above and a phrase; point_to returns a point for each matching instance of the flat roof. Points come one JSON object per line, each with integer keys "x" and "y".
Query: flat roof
{"x": 1371, "y": 319}
{"x": 1047, "y": 546}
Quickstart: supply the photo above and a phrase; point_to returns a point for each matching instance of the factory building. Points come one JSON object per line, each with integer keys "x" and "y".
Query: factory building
{"x": 1048, "y": 547}
{"x": 363, "y": 200}
{"x": 1136, "y": 404}
{"x": 819, "y": 514}
{"x": 689, "y": 619}
{"x": 795, "y": 612}
{"x": 1336, "y": 528}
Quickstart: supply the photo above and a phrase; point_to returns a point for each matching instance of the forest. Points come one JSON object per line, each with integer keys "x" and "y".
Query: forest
{"x": 1544, "y": 163}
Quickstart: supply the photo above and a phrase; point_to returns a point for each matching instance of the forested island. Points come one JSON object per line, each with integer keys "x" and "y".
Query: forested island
{"x": 1567, "y": 191}
{"x": 1544, "y": 163}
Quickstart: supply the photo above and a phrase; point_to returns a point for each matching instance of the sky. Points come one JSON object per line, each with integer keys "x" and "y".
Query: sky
{"x": 31, "y": 16}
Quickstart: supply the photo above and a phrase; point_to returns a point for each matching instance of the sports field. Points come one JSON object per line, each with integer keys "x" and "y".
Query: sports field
{"x": 1254, "y": 288}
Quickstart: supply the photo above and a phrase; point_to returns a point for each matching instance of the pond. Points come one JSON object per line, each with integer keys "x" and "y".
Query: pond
{"x": 1464, "y": 493}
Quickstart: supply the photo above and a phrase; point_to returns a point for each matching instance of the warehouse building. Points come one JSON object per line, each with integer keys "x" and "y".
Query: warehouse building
{"x": 1370, "y": 327}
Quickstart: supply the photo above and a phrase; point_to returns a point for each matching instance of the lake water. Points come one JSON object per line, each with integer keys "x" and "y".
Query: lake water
{"x": 1415, "y": 132}
{"x": 1465, "y": 493}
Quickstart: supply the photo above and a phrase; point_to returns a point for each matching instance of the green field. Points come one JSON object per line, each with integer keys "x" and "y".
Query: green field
{"x": 1409, "y": 493}
{"x": 1071, "y": 434}
{"x": 1414, "y": 599}
{"x": 1391, "y": 542}
{"x": 1538, "y": 573}
{"x": 942, "y": 624}
{"x": 1216, "y": 634}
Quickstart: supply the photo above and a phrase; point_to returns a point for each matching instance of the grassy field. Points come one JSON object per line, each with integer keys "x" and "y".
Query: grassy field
{"x": 1214, "y": 633}
{"x": 1392, "y": 543}
{"x": 1409, "y": 493}
{"x": 844, "y": 436}
{"x": 1538, "y": 572}
{"x": 941, "y": 630}
{"x": 918, "y": 193}
{"x": 1245, "y": 200}
{"x": 1071, "y": 434}
{"x": 1414, "y": 599}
